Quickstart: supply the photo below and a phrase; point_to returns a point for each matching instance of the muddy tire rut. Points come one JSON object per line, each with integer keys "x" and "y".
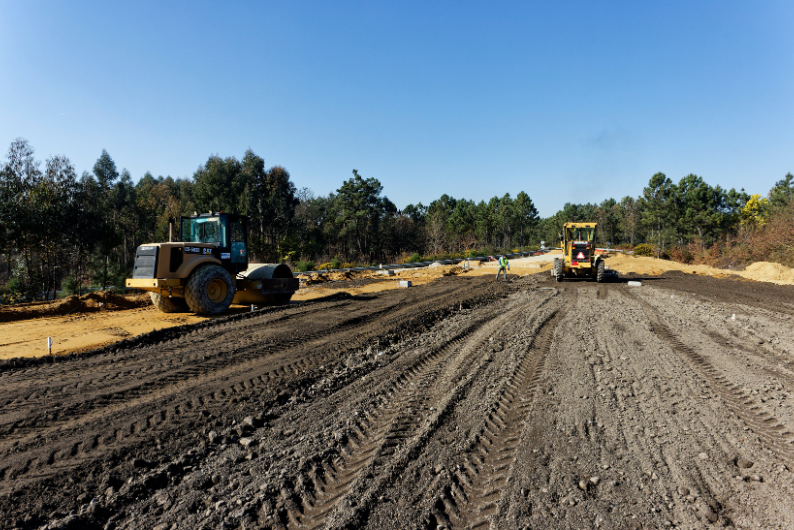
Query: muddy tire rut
{"x": 463, "y": 403}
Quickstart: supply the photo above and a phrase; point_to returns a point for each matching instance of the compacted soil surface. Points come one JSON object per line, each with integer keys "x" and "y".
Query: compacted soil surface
{"x": 460, "y": 403}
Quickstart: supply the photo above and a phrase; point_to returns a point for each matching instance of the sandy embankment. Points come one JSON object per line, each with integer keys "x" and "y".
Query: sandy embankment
{"x": 761, "y": 272}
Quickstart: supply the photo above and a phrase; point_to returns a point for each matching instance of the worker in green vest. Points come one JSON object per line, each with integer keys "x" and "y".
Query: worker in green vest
{"x": 504, "y": 266}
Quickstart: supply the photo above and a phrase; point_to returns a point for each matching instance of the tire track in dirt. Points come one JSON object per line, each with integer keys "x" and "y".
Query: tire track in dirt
{"x": 165, "y": 374}
{"x": 396, "y": 423}
{"x": 764, "y": 424}
{"x": 14, "y": 384}
{"x": 615, "y": 408}
{"x": 204, "y": 381}
{"x": 759, "y": 297}
{"x": 142, "y": 391}
{"x": 145, "y": 392}
{"x": 656, "y": 413}
{"x": 776, "y": 372}
{"x": 488, "y": 465}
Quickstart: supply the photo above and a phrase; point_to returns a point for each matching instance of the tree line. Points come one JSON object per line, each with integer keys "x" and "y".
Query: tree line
{"x": 61, "y": 230}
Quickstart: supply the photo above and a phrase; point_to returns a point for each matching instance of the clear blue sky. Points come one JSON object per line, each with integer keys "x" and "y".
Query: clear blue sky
{"x": 568, "y": 101}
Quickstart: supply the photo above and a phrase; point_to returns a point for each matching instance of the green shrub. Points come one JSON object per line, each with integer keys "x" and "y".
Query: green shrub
{"x": 303, "y": 266}
{"x": 415, "y": 258}
{"x": 643, "y": 249}
{"x": 335, "y": 263}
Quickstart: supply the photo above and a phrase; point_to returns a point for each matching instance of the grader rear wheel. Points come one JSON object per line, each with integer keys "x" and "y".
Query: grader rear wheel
{"x": 600, "y": 274}
{"x": 210, "y": 290}
{"x": 557, "y": 269}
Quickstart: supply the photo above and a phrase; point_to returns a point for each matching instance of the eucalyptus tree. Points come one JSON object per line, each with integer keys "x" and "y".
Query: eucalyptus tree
{"x": 49, "y": 198}
{"x": 19, "y": 172}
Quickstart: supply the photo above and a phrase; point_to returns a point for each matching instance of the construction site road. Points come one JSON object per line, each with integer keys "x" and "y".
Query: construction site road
{"x": 461, "y": 403}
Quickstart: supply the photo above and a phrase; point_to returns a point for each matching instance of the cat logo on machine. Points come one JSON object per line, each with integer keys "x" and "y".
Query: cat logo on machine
{"x": 580, "y": 255}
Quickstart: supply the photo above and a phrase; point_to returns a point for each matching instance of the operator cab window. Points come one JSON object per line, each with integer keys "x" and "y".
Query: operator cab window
{"x": 580, "y": 235}
{"x": 204, "y": 230}
{"x": 237, "y": 232}
{"x": 238, "y": 242}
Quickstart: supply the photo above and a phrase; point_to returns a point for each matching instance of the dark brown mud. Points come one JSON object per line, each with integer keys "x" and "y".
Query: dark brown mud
{"x": 463, "y": 403}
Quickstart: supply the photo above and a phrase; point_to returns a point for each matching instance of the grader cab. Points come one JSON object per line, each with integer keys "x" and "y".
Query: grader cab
{"x": 578, "y": 242}
{"x": 206, "y": 268}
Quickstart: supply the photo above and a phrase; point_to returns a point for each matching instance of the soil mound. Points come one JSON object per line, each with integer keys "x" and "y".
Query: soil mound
{"x": 341, "y": 275}
{"x": 87, "y": 303}
{"x": 312, "y": 279}
{"x": 432, "y": 272}
{"x": 764, "y": 271}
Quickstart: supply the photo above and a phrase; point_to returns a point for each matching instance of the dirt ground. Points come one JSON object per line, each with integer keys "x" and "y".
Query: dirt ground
{"x": 458, "y": 403}
{"x": 77, "y": 325}
{"x": 80, "y": 324}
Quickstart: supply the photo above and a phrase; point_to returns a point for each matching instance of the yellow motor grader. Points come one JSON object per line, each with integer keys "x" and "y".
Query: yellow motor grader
{"x": 206, "y": 269}
{"x": 579, "y": 259}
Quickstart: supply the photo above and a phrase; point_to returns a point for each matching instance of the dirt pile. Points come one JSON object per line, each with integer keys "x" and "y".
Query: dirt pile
{"x": 87, "y": 303}
{"x": 313, "y": 279}
{"x": 761, "y": 271}
{"x": 436, "y": 271}
{"x": 461, "y": 403}
{"x": 334, "y": 276}
{"x": 764, "y": 271}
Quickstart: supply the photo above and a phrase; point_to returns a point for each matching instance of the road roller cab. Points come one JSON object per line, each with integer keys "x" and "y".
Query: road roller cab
{"x": 206, "y": 268}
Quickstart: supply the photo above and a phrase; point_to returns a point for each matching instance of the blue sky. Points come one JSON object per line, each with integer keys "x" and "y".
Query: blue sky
{"x": 568, "y": 101}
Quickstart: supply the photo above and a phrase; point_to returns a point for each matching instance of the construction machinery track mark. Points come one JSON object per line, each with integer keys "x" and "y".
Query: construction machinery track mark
{"x": 397, "y": 421}
{"x": 488, "y": 464}
{"x": 773, "y": 371}
{"x": 766, "y": 427}
{"x": 150, "y": 389}
{"x": 163, "y": 375}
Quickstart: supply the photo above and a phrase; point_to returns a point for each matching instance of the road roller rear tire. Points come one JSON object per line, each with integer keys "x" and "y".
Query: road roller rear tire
{"x": 168, "y": 305}
{"x": 210, "y": 290}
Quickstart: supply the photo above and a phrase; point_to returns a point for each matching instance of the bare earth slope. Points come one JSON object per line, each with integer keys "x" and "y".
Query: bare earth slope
{"x": 462, "y": 403}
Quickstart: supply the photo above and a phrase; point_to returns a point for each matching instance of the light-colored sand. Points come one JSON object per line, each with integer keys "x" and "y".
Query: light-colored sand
{"x": 28, "y": 338}
{"x": 761, "y": 272}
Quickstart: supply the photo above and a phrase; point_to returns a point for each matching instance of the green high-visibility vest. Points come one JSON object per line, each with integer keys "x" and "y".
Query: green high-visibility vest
{"x": 503, "y": 262}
